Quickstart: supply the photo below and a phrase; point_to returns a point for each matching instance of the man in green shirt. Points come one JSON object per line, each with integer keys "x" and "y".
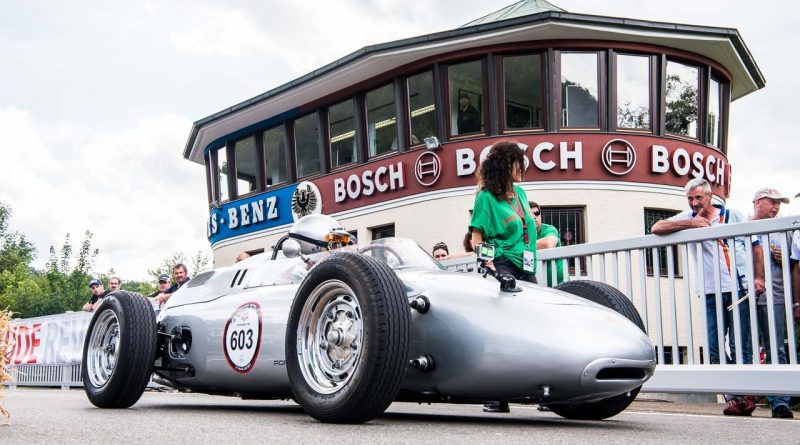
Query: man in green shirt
{"x": 547, "y": 238}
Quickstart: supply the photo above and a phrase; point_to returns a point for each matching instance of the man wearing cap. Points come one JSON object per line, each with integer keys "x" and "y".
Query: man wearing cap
{"x": 163, "y": 285}
{"x": 767, "y": 204}
{"x": 98, "y": 292}
{"x": 704, "y": 213}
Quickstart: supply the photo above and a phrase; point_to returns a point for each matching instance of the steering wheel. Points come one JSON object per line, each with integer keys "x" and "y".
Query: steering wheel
{"x": 371, "y": 247}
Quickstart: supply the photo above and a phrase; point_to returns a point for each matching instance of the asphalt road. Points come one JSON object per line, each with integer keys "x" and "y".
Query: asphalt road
{"x": 65, "y": 417}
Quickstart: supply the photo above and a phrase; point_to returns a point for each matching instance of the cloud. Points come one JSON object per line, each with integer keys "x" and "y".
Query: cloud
{"x": 209, "y": 30}
{"x": 132, "y": 189}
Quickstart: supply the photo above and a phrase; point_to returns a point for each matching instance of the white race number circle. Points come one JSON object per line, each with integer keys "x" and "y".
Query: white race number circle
{"x": 242, "y": 337}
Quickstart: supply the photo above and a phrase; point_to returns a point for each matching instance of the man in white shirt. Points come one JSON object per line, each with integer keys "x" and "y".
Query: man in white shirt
{"x": 703, "y": 213}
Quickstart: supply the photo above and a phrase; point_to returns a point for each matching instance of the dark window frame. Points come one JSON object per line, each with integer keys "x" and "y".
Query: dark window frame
{"x": 578, "y": 213}
{"x": 658, "y": 214}
{"x": 234, "y": 163}
{"x": 320, "y": 148}
{"x": 701, "y": 98}
{"x": 379, "y": 229}
{"x": 407, "y": 108}
{"x": 500, "y": 85}
{"x": 613, "y": 92}
{"x": 365, "y": 111}
{"x": 485, "y": 86}
{"x": 356, "y": 138}
{"x": 602, "y": 87}
{"x": 287, "y": 167}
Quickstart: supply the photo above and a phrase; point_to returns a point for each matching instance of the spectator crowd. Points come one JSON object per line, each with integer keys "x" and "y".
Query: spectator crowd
{"x": 166, "y": 287}
{"x": 504, "y": 216}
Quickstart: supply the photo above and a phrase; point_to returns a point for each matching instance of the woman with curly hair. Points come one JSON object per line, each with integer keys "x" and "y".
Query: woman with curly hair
{"x": 501, "y": 215}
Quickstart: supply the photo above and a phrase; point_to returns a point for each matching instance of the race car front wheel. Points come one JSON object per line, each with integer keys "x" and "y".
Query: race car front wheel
{"x": 612, "y": 298}
{"x": 119, "y": 350}
{"x": 347, "y": 339}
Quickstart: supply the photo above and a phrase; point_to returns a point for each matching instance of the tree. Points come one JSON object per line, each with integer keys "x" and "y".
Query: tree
{"x": 14, "y": 248}
{"x": 19, "y": 288}
{"x": 197, "y": 264}
{"x": 681, "y": 105}
{"x": 67, "y": 277}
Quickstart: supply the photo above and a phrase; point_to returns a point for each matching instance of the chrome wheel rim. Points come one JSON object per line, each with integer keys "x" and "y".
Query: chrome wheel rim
{"x": 330, "y": 337}
{"x": 103, "y": 350}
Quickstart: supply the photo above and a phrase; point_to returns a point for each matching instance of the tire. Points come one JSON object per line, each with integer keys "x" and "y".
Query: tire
{"x": 119, "y": 350}
{"x": 612, "y": 298}
{"x": 604, "y": 295}
{"x": 347, "y": 339}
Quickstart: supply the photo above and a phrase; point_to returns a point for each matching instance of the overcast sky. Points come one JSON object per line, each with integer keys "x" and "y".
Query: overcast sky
{"x": 97, "y": 100}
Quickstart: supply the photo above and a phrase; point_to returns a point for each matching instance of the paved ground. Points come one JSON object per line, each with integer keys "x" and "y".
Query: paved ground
{"x": 63, "y": 417}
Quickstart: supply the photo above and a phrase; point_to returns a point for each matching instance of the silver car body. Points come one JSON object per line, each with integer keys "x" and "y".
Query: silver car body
{"x": 538, "y": 345}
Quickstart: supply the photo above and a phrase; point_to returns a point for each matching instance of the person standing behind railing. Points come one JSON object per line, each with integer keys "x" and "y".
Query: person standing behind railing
{"x": 547, "y": 238}
{"x": 767, "y": 204}
{"x": 795, "y": 260}
{"x": 703, "y": 213}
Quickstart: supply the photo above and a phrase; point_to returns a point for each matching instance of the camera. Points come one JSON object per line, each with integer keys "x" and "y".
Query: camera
{"x": 485, "y": 251}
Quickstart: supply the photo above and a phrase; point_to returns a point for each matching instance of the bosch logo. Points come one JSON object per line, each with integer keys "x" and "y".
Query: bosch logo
{"x": 427, "y": 168}
{"x": 618, "y": 156}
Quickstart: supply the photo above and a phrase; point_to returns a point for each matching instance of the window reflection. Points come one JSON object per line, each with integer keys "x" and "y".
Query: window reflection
{"x": 222, "y": 170}
{"x": 275, "y": 155}
{"x": 307, "y": 145}
{"x": 343, "y": 133}
{"x": 523, "y": 91}
{"x": 466, "y": 98}
{"x": 381, "y": 120}
{"x": 421, "y": 107}
{"x": 246, "y": 165}
{"x": 714, "y": 112}
{"x": 682, "y": 99}
{"x": 579, "y": 90}
{"x": 633, "y": 92}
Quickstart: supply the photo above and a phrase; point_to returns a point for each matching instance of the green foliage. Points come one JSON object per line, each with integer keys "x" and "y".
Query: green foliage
{"x": 14, "y": 248}
{"x": 195, "y": 265}
{"x": 142, "y": 287}
{"x": 60, "y": 287}
{"x": 682, "y": 105}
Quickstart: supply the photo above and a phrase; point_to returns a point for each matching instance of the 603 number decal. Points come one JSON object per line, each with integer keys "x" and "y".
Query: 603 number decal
{"x": 242, "y": 337}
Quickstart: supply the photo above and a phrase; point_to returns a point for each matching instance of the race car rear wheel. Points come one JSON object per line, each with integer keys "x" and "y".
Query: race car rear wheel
{"x": 347, "y": 339}
{"x": 612, "y": 298}
{"x": 119, "y": 350}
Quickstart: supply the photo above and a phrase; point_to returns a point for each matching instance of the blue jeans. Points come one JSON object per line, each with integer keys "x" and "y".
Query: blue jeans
{"x": 780, "y": 335}
{"x": 727, "y": 328}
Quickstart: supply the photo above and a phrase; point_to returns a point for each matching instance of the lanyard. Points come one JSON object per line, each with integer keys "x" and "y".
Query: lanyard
{"x": 518, "y": 210}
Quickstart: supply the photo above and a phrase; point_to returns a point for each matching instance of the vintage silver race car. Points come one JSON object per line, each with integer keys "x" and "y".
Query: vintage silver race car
{"x": 369, "y": 325}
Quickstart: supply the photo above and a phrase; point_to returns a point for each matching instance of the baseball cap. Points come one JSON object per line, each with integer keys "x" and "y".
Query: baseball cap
{"x": 94, "y": 281}
{"x": 770, "y": 193}
{"x": 163, "y": 277}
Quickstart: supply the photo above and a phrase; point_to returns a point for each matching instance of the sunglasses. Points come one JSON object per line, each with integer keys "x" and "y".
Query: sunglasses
{"x": 537, "y": 213}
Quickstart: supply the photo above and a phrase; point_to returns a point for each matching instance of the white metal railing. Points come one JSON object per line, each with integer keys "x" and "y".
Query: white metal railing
{"x": 674, "y": 313}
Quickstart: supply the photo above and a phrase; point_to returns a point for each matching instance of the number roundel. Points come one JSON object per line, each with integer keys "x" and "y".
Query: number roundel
{"x": 242, "y": 337}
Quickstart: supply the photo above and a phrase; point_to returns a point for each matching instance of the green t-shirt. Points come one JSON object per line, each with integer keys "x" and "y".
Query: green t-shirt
{"x": 502, "y": 226}
{"x": 545, "y": 231}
